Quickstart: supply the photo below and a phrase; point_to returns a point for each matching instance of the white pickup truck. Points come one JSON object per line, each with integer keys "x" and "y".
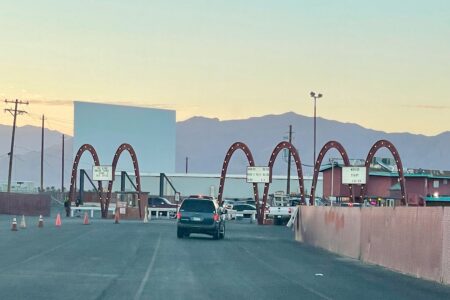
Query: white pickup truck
{"x": 280, "y": 210}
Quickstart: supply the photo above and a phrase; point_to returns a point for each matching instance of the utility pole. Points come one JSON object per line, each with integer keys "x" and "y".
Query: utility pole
{"x": 42, "y": 155}
{"x": 62, "y": 167}
{"x": 11, "y": 153}
{"x": 187, "y": 164}
{"x": 288, "y": 185}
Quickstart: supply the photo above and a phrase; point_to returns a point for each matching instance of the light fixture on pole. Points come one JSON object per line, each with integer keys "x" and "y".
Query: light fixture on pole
{"x": 315, "y": 96}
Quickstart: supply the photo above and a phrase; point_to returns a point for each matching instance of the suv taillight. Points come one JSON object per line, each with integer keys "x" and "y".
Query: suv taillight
{"x": 178, "y": 215}
{"x": 216, "y": 217}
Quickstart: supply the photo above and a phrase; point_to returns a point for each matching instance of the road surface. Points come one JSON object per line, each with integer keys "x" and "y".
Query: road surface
{"x": 133, "y": 260}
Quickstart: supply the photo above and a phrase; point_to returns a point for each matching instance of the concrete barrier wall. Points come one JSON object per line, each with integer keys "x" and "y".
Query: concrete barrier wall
{"x": 25, "y": 204}
{"x": 446, "y": 247}
{"x": 336, "y": 229}
{"x": 406, "y": 239}
{"x": 411, "y": 240}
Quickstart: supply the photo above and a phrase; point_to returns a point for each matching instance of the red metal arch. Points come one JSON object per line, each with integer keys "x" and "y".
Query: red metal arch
{"x": 275, "y": 152}
{"x": 328, "y": 146}
{"x": 119, "y": 151}
{"x": 377, "y": 146}
{"x": 251, "y": 161}
{"x": 83, "y": 148}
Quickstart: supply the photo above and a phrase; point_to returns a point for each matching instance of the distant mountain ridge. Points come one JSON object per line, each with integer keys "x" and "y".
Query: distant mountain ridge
{"x": 27, "y": 155}
{"x": 262, "y": 134}
{"x": 205, "y": 142}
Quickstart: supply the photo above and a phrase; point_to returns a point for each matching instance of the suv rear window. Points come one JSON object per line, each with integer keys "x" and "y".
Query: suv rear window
{"x": 204, "y": 206}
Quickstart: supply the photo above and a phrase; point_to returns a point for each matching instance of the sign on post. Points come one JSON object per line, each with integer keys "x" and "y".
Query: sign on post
{"x": 122, "y": 205}
{"x": 102, "y": 173}
{"x": 258, "y": 175}
{"x": 353, "y": 175}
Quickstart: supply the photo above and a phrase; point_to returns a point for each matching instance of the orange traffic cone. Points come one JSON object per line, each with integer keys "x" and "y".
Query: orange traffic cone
{"x": 41, "y": 222}
{"x": 14, "y": 225}
{"x": 116, "y": 217}
{"x": 23, "y": 224}
{"x": 86, "y": 219}
{"x": 58, "y": 220}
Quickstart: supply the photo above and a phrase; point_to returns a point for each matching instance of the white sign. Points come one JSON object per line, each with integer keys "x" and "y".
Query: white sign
{"x": 354, "y": 175}
{"x": 100, "y": 173}
{"x": 258, "y": 174}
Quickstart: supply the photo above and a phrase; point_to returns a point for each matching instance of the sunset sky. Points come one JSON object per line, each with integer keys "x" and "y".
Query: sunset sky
{"x": 382, "y": 64}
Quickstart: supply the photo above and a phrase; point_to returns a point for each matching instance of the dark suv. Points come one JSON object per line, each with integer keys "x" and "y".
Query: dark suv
{"x": 200, "y": 215}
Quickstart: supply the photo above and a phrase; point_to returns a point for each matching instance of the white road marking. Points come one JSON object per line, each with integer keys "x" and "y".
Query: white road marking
{"x": 149, "y": 270}
{"x": 47, "y": 251}
{"x": 56, "y": 274}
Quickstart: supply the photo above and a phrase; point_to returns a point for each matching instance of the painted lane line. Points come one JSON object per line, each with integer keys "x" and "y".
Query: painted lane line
{"x": 149, "y": 270}
{"x": 46, "y": 251}
{"x": 57, "y": 274}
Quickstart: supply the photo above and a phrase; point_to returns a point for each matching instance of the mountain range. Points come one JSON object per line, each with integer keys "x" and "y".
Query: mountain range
{"x": 205, "y": 141}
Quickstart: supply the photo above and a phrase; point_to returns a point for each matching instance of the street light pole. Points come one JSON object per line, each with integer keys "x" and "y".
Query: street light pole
{"x": 315, "y": 96}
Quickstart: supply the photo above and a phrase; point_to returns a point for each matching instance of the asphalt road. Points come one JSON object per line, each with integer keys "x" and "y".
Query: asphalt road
{"x": 132, "y": 260}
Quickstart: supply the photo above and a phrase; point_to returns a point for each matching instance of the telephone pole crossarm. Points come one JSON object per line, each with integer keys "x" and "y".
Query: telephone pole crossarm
{"x": 14, "y": 112}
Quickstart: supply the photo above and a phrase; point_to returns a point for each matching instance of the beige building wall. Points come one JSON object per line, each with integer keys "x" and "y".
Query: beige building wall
{"x": 446, "y": 247}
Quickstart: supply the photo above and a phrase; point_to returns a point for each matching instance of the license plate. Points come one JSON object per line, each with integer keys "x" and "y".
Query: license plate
{"x": 196, "y": 219}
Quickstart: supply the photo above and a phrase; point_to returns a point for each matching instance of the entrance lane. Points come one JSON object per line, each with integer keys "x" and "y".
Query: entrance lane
{"x": 147, "y": 261}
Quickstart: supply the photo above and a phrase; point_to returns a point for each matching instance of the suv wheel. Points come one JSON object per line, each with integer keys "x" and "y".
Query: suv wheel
{"x": 216, "y": 235}
{"x": 222, "y": 234}
{"x": 180, "y": 233}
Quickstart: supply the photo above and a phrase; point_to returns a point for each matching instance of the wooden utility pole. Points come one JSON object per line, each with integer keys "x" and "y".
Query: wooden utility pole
{"x": 42, "y": 155}
{"x": 11, "y": 153}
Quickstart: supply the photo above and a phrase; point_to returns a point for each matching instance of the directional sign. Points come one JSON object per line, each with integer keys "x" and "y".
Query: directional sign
{"x": 258, "y": 174}
{"x": 353, "y": 175}
{"x": 100, "y": 173}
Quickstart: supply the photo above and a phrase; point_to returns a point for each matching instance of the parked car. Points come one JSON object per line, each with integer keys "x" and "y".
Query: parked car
{"x": 200, "y": 215}
{"x": 240, "y": 208}
{"x": 228, "y": 204}
{"x": 163, "y": 203}
{"x": 200, "y": 197}
{"x": 321, "y": 202}
{"x": 280, "y": 214}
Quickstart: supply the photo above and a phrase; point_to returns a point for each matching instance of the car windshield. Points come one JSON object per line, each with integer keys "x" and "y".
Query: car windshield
{"x": 204, "y": 206}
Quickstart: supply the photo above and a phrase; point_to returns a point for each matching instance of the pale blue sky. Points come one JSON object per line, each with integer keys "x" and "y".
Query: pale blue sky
{"x": 233, "y": 59}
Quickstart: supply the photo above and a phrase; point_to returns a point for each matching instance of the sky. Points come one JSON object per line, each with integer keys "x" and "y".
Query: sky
{"x": 382, "y": 64}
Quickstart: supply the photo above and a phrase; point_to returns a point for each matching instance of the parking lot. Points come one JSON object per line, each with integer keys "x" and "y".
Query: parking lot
{"x": 133, "y": 260}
